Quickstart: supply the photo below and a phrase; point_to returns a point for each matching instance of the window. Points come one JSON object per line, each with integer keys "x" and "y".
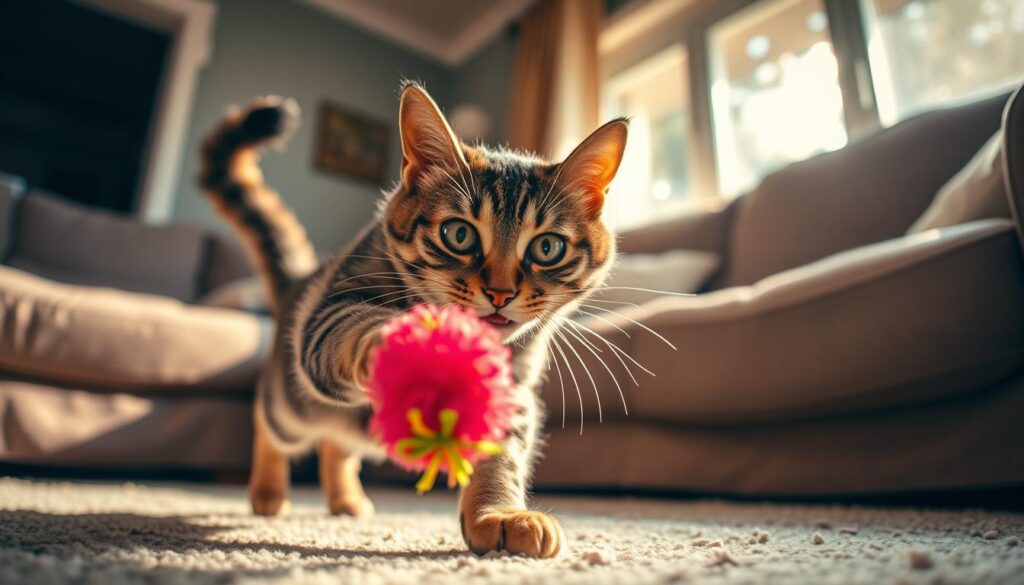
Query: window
{"x": 654, "y": 177}
{"x": 746, "y": 87}
{"x": 775, "y": 94}
{"x": 925, "y": 53}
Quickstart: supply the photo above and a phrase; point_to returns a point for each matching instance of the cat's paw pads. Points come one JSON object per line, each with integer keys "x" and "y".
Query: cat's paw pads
{"x": 268, "y": 502}
{"x": 357, "y": 506}
{"x": 525, "y": 532}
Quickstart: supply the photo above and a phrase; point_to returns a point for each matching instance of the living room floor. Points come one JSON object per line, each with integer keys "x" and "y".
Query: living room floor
{"x": 162, "y": 533}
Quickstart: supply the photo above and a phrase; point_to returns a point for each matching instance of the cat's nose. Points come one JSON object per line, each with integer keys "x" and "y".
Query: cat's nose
{"x": 500, "y": 298}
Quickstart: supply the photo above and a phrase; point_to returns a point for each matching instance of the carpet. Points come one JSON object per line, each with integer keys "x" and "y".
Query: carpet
{"x": 107, "y": 534}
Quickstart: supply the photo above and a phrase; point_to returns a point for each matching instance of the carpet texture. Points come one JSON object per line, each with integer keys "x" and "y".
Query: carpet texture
{"x": 112, "y": 534}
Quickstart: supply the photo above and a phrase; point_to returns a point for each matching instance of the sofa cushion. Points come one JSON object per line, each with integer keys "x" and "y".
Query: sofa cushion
{"x": 1013, "y": 148}
{"x": 906, "y": 321}
{"x": 226, "y": 262}
{"x": 112, "y": 339}
{"x": 66, "y": 242}
{"x": 672, "y": 271}
{"x": 978, "y": 191}
{"x": 244, "y": 294}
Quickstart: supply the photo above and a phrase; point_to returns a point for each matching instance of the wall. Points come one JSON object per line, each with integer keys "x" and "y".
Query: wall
{"x": 485, "y": 80}
{"x": 288, "y": 48}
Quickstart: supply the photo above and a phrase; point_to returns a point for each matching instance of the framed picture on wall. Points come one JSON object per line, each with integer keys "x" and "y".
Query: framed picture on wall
{"x": 351, "y": 144}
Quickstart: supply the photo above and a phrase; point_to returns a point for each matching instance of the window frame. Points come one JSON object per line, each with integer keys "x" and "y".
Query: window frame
{"x": 847, "y": 34}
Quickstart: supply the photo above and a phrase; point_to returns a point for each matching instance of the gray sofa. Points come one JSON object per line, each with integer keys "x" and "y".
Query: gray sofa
{"x": 830, "y": 354}
{"x": 105, "y": 359}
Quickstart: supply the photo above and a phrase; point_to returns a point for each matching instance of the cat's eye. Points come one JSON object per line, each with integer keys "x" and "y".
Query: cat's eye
{"x": 459, "y": 236}
{"x": 547, "y": 249}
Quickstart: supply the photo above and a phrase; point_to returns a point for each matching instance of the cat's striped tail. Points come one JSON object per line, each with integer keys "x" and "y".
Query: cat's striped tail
{"x": 230, "y": 176}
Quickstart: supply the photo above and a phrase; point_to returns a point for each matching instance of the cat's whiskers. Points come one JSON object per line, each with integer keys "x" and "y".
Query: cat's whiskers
{"x": 404, "y": 285}
{"x": 414, "y": 295}
{"x": 606, "y": 320}
{"x": 648, "y": 290}
{"x": 368, "y": 275}
{"x": 614, "y": 312}
{"x": 410, "y": 274}
{"x": 547, "y": 195}
{"x": 572, "y": 375}
{"x": 398, "y": 292}
{"x": 630, "y": 288}
{"x": 630, "y": 319}
{"x": 560, "y": 198}
{"x": 401, "y": 276}
{"x": 389, "y": 258}
{"x": 616, "y": 347}
{"x": 462, "y": 165}
{"x": 600, "y": 414}
{"x": 591, "y": 347}
{"x": 458, "y": 188}
{"x": 561, "y": 382}
{"x": 369, "y": 286}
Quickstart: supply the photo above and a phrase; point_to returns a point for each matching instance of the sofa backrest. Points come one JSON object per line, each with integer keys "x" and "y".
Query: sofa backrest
{"x": 870, "y": 191}
{"x": 66, "y": 242}
{"x": 226, "y": 261}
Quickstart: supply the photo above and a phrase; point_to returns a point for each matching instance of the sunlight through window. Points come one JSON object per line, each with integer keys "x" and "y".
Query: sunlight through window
{"x": 654, "y": 178}
{"x": 925, "y": 53}
{"x": 775, "y": 90}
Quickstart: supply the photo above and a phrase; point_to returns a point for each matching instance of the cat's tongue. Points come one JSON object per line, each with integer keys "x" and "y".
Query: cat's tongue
{"x": 497, "y": 320}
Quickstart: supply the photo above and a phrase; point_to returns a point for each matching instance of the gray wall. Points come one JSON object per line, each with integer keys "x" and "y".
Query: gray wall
{"x": 485, "y": 80}
{"x": 287, "y": 48}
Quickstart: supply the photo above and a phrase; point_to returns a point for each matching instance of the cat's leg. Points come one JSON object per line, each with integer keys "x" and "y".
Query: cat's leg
{"x": 492, "y": 508}
{"x": 269, "y": 478}
{"x": 339, "y": 479}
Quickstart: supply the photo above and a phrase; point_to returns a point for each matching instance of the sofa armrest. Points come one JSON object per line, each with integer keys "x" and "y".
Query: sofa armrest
{"x": 117, "y": 340}
{"x": 1013, "y": 149}
{"x": 894, "y": 323}
{"x": 705, "y": 230}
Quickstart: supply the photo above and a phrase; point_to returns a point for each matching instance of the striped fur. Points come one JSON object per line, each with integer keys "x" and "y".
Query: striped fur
{"x": 231, "y": 178}
{"x": 311, "y": 390}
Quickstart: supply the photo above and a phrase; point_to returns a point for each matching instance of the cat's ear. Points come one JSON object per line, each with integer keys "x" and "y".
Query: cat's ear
{"x": 590, "y": 168}
{"x": 427, "y": 140}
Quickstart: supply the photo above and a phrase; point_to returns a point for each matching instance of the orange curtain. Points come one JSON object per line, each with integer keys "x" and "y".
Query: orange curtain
{"x": 555, "y": 90}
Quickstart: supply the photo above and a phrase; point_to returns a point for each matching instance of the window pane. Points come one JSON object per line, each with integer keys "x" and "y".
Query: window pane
{"x": 775, "y": 93}
{"x": 926, "y": 52}
{"x": 653, "y": 178}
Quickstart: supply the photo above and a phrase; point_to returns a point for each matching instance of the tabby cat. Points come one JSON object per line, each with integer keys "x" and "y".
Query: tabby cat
{"x": 516, "y": 239}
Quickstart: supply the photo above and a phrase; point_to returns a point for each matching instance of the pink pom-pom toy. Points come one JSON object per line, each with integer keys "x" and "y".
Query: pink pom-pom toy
{"x": 440, "y": 384}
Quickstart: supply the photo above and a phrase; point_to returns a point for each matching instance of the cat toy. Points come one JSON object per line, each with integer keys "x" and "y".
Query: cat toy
{"x": 440, "y": 386}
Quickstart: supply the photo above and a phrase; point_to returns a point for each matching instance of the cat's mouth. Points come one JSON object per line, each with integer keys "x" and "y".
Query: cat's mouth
{"x": 497, "y": 320}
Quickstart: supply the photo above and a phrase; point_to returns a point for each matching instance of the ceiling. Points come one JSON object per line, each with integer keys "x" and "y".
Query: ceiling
{"x": 449, "y": 31}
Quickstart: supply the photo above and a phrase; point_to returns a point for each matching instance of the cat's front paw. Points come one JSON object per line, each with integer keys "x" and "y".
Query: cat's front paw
{"x": 525, "y": 532}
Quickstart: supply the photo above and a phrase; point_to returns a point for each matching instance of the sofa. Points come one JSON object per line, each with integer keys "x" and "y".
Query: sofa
{"x": 829, "y": 354}
{"x": 107, "y": 359}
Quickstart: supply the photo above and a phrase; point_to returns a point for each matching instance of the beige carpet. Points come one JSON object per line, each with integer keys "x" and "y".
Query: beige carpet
{"x": 110, "y": 534}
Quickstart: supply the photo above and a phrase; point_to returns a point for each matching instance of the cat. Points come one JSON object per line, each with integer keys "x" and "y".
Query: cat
{"x": 518, "y": 240}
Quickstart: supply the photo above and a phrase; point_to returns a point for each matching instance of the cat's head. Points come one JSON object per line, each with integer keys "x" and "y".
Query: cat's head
{"x": 513, "y": 237}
